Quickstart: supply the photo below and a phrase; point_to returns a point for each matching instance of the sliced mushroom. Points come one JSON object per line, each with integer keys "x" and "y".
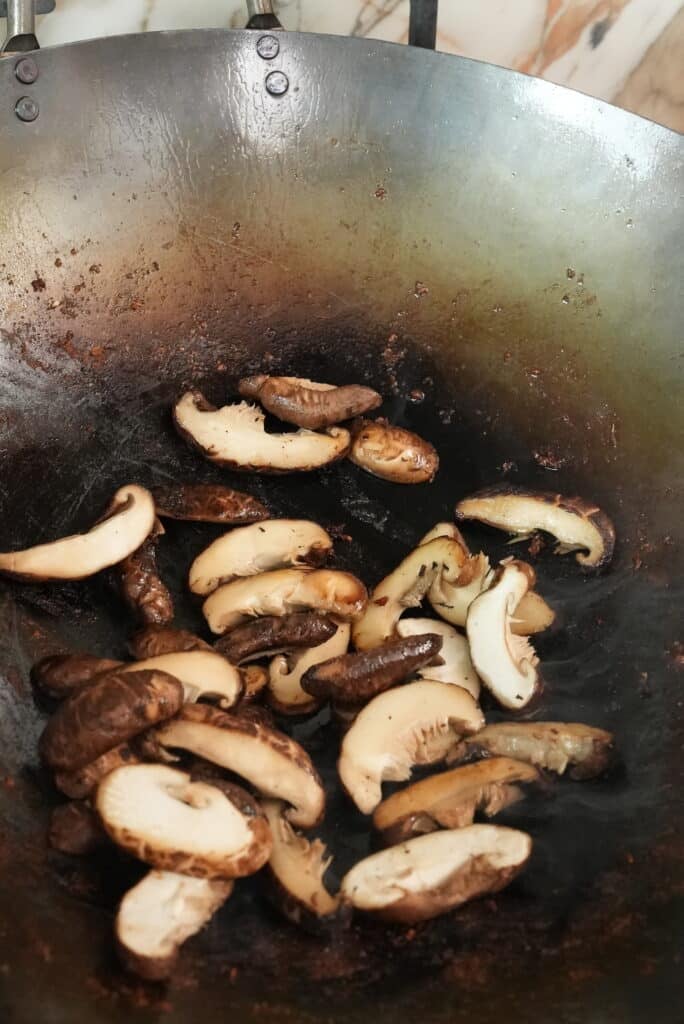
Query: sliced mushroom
{"x": 104, "y": 714}
{"x": 356, "y": 678}
{"x": 81, "y": 782}
{"x": 256, "y": 713}
{"x": 432, "y": 874}
{"x": 159, "y": 914}
{"x": 449, "y": 530}
{"x": 577, "y": 525}
{"x": 296, "y": 869}
{"x": 586, "y": 751}
{"x": 274, "y": 634}
{"x": 124, "y": 526}
{"x": 142, "y": 588}
{"x": 404, "y": 588}
{"x": 168, "y": 821}
{"x": 208, "y": 503}
{"x": 58, "y": 675}
{"x": 272, "y": 544}
{"x": 307, "y": 403}
{"x": 505, "y": 663}
{"x": 234, "y": 436}
{"x": 457, "y": 667}
{"x": 152, "y": 641}
{"x": 75, "y": 829}
{"x": 285, "y": 693}
{"x": 393, "y": 453}
{"x": 254, "y": 680}
{"x": 204, "y": 674}
{"x": 273, "y": 763}
{"x": 284, "y": 591}
{"x": 414, "y": 724}
{"x": 450, "y": 799}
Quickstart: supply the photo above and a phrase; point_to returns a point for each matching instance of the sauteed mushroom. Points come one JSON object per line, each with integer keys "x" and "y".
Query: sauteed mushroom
{"x": 431, "y": 874}
{"x": 75, "y": 829}
{"x": 234, "y": 436}
{"x": 457, "y": 666}
{"x": 445, "y": 529}
{"x": 285, "y": 693}
{"x": 202, "y": 674}
{"x": 254, "y": 681}
{"x": 556, "y": 746}
{"x": 577, "y": 525}
{"x": 208, "y": 503}
{"x": 82, "y": 781}
{"x": 125, "y": 525}
{"x": 248, "y": 550}
{"x": 414, "y": 724}
{"x": 307, "y": 403}
{"x": 152, "y": 641}
{"x": 58, "y": 675}
{"x": 393, "y": 453}
{"x": 141, "y": 585}
{"x": 272, "y": 634}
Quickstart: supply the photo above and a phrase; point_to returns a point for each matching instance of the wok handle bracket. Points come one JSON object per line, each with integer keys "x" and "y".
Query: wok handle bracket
{"x": 423, "y": 24}
{"x": 21, "y": 23}
{"x": 261, "y": 15}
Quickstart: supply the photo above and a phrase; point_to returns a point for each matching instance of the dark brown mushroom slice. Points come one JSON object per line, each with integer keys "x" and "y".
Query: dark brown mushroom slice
{"x": 81, "y": 782}
{"x": 58, "y": 675}
{"x": 272, "y": 634}
{"x": 106, "y": 713}
{"x": 307, "y": 403}
{"x": 208, "y": 503}
{"x": 355, "y": 678}
{"x": 153, "y": 641}
{"x": 75, "y": 829}
{"x": 393, "y": 453}
{"x": 141, "y": 586}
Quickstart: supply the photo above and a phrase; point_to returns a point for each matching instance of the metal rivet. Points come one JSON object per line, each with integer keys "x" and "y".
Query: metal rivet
{"x": 277, "y": 83}
{"x": 268, "y": 47}
{"x": 26, "y": 109}
{"x": 26, "y": 70}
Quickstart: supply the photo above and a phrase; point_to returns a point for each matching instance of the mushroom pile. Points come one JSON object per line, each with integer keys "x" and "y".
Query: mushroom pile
{"x": 176, "y": 757}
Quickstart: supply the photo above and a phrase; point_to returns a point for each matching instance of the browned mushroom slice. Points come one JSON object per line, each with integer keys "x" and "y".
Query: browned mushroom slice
{"x": 296, "y": 869}
{"x": 152, "y": 641}
{"x": 272, "y": 544}
{"x": 106, "y": 713}
{"x": 307, "y": 403}
{"x": 162, "y": 817}
{"x": 450, "y": 799}
{"x": 414, "y": 724}
{"x": 141, "y": 585}
{"x": 81, "y": 782}
{"x": 285, "y": 693}
{"x": 75, "y": 829}
{"x": 254, "y": 681}
{"x": 125, "y": 525}
{"x": 203, "y": 674}
{"x": 273, "y": 634}
{"x": 256, "y": 713}
{"x": 273, "y": 763}
{"x": 58, "y": 675}
{"x": 393, "y": 453}
{"x": 284, "y": 591}
{"x": 556, "y": 746}
{"x": 449, "y": 530}
{"x": 577, "y": 525}
{"x": 208, "y": 503}
{"x": 159, "y": 914}
{"x": 234, "y": 436}
{"x": 356, "y": 678}
{"x": 506, "y": 664}
{"x": 432, "y": 874}
{"x": 456, "y": 665}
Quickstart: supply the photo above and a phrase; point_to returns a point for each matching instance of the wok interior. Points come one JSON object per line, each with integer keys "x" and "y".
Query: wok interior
{"x": 306, "y": 270}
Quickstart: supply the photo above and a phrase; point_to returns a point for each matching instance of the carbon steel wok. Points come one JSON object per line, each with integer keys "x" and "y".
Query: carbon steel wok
{"x": 404, "y": 219}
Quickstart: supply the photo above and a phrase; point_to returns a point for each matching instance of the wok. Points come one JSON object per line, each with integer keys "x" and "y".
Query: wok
{"x": 413, "y": 221}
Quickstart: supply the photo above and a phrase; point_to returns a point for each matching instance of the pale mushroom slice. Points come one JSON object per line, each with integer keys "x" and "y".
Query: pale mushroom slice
{"x": 506, "y": 664}
{"x": 128, "y": 520}
{"x": 234, "y": 436}
{"x": 556, "y": 746}
{"x": 261, "y": 547}
{"x": 432, "y": 874}
{"x": 295, "y": 870}
{"x": 285, "y": 693}
{"x": 283, "y": 591}
{"x": 451, "y": 799}
{"x": 405, "y": 587}
{"x": 445, "y": 529}
{"x": 202, "y": 674}
{"x": 168, "y": 821}
{"x": 274, "y": 764}
{"x": 159, "y": 914}
{"x": 577, "y": 525}
{"x": 414, "y": 724}
{"x": 306, "y": 403}
{"x": 457, "y": 667}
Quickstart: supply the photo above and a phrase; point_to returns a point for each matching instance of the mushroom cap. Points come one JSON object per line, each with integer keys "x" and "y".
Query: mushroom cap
{"x": 202, "y": 674}
{"x": 207, "y": 503}
{"x": 248, "y": 550}
{"x": 141, "y": 586}
{"x": 128, "y": 520}
{"x": 413, "y": 724}
{"x": 151, "y": 641}
{"x": 159, "y": 914}
{"x": 58, "y": 675}
{"x": 234, "y": 436}
{"x": 452, "y": 595}
{"x": 578, "y": 525}
{"x": 457, "y": 667}
{"x": 273, "y": 634}
{"x": 405, "y": 587}
{"x": 274, "y": 764}
{"x": 307, "y": 403}
{"x": 432, "y": 874}
{"x": 284, "y": 591}
{"x": 162, "y": 817}
{"x": 285, "y": 693}
{"x": 81, "y": 782}
{"x": 505, "y": 663}
{"x": 393, "y": 453}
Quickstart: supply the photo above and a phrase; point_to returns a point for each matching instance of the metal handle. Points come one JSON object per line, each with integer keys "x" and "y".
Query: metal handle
{"x": 261, "y": 15}
{"x": 21, "y": 23}
{"x": 423, "y": 23}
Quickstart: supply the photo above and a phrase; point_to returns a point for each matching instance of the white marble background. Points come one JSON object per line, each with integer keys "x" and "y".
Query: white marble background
{"x": 592, "y": 45}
